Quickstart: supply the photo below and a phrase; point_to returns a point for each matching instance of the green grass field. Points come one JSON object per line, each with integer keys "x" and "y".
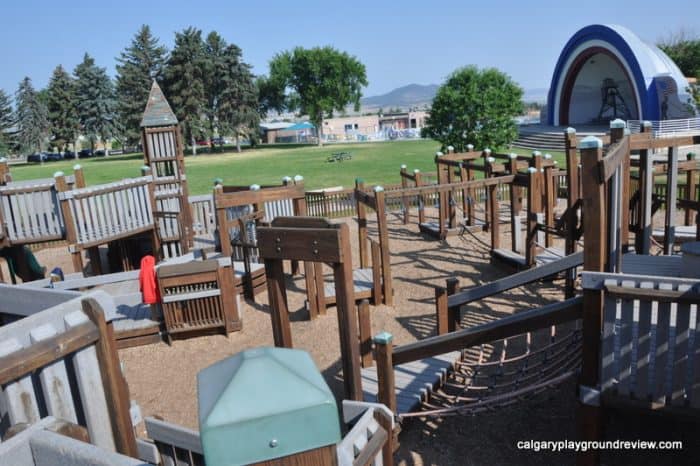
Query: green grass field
{"x": 376, "y": 163}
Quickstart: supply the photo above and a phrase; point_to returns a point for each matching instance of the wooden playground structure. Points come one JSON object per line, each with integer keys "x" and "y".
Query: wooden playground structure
{"x": 626, "y": 331}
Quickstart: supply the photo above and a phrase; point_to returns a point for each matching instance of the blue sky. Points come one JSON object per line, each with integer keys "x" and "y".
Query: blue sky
{"x": 399, "y": 42}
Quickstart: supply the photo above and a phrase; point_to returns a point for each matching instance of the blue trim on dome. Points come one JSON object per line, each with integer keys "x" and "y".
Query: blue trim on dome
{"x": 647, "y": 95}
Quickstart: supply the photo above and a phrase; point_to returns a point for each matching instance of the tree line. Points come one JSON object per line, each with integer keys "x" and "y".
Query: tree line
{"x": 211, "y": 89}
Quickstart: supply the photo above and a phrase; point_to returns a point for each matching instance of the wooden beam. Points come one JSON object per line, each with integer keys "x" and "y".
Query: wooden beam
{"x": 40, "y": 354}
{"x": 516, "y": 324}
{"x": 116, "y": 389}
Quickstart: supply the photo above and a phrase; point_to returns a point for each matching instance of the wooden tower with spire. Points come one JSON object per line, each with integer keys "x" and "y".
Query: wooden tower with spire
{"x": 164, "y": 156}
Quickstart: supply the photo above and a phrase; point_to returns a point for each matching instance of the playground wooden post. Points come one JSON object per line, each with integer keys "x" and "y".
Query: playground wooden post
{"x": 494, "y": 222}
{"x": 314, "y": 240}
{"x": 485, "y": 154}
{"x": 365, "y": 327}
{"x": 93, "y": 252}
{"x": 671, "y": 197}
{"x": 71, "y": 237}
{"x": 642, "y": 241}
{"x": 468, "y": 194}
{"x": 384, "y": 246}
{"x": 550, "y": 198}
{"x": 617, "y": 133}
{"x": 421, "y": 199}
{"x": 362, "y": 226}
{"x": 516, "y": 203}
{"x": 385, "y": 370}
{"x": 691, "y": 188}
{"x": 404, "y": 200}
{"x": 441, "y": 316}
{"x": 534, "y": 207}
{"x": 157, "y": 252}
{"x": 451, "y": 202}
{"x": 594, "y": 257}
{"x": 572, "y": 196}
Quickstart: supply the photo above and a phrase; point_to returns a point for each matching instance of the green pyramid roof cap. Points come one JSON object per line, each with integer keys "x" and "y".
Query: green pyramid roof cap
{"x": 158, "y": 111}
{"x": 264, "y": 403}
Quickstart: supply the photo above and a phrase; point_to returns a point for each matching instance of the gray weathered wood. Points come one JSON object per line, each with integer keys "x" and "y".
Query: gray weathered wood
{"x": 54, "y": 380}
{"x": 92, "y": 394}
{"x": 19, "y": 396}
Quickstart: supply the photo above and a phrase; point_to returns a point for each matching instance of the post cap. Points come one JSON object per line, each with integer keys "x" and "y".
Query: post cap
{"x": 487, "y": 151}
{"x": 646, "y": 124}
{"x": 439, "y": 154}
{"x": 359, "y": 180}
{"x": 627, "y": 132}
{"x": 618, "y": 123}
{"x": 57, "y": 174}
{"x": 531, "y": 170}
{"x": 415, "y": 170}
{"x": 591, "y": 142}
{"x": 77, "y": 166}
{"x": 547, "y": 156}
{"x": 298, "y": 178}
{"x": 450, "y": 148}
{"x": 490, "y": 159}
{"x": 287, "y": 179}
{"x": 470, "y": 147}
{"x": 218, "y": 181}
{"x": 255, "y": 187}
{"x": 237, "y": 400}
{"x": 403, "y": 166}
{"x": 378, "y": 189}
{"x": 513, "y": 155}
{"x": 383, "y": 338}
{"x": 570, "y": 130}
{"x": 536, "y": 153}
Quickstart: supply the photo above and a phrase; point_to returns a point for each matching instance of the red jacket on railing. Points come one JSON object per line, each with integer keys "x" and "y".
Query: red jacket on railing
{"x": 148, "y": 283}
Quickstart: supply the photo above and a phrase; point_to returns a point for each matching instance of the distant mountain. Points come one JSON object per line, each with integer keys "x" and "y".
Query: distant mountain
{"x": 413, "y": 95}
{"x": 418, "y": 95}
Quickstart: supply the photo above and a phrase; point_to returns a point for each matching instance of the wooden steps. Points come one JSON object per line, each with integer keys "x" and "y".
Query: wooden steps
{"x": 362, "y": 280}
{"x": 413, "y": 380}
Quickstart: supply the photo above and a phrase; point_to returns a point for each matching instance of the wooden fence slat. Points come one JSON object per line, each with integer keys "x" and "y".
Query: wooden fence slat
{"x": 54, "y": 380}
{"x": 92, "y": 394}
{"x": 643, "y": 389}
{"x": 20, "y": 399}
{"x": 680, "y": 366}
{"x": 625, "y": 339}
{"x": 662, "y": 361}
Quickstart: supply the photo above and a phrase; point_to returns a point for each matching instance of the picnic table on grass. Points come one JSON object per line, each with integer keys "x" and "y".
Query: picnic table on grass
{"x": 339, "y": 156}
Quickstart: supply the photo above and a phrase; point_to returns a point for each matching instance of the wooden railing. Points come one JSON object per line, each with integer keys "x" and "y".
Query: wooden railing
{"x": 30, "y": 212}
{"x": 103, "y": 213}
{"x": 69, "y": 349}
{"x": 526, "y": 321}
{"x": 647, "y": 354}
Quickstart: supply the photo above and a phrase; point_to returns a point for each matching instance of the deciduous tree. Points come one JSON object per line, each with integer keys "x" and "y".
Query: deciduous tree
{"x": 316, "y": 82}
{"x": 475, "y": 107}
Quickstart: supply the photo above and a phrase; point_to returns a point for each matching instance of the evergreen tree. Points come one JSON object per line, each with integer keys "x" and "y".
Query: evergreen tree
{"x": 7, "y": 121}
{"x": 216, "y": 78}
{"x": 62, "y": 108}
{"x": 96, "y": 102}
{"x": 232, "y": 97}
{"x": 238, "y": 108}
{"x": 139, "y": 64}
{"x": 184, "y": 82}
{"x": 32, "y": 118}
